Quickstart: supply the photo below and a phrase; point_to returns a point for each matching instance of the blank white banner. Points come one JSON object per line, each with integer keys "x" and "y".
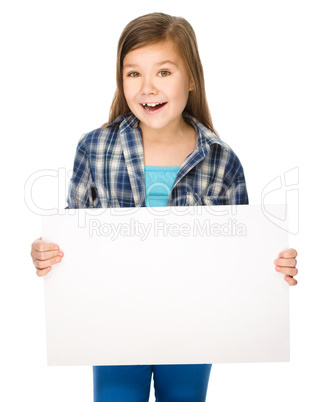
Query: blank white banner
{"x": 167, "y": 285}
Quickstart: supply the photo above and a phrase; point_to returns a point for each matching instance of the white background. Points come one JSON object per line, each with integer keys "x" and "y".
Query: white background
{"x": 263, "y": 70}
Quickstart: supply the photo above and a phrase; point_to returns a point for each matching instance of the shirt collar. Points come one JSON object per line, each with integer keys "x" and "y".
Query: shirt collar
{"x": 205, "y": 137}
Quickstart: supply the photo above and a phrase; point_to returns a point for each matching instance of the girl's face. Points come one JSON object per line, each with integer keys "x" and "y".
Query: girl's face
{"x": 156, "y": 74}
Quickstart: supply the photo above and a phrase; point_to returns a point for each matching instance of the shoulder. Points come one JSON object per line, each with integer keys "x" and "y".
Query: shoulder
{"x": 233, "y": 163}
{"x": 206, "y": 138}
{"x": 96, "y": 136}
{"x": 220, "y": 152}
{"x": 229, "y": 154}
{"x": 106, "y": 134}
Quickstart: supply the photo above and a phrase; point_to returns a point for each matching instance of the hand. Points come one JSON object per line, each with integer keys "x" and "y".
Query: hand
{"x": 286, "y": 263}
{"x": 45, "y": 255}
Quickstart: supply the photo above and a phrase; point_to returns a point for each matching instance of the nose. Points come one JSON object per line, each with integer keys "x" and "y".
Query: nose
{"x": 148, "y": 86}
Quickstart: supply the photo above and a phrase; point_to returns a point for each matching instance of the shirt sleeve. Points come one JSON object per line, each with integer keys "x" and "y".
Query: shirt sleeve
{"x": 79, "y": 192}
{"x": 237, "y": 193}
{"x": 235, "y": 189}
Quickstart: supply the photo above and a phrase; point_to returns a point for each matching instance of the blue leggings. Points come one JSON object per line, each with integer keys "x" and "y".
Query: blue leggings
{"x": 179, "y": 382}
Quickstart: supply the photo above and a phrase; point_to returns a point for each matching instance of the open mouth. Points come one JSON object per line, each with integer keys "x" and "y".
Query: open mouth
{"x": 151, "y": 107}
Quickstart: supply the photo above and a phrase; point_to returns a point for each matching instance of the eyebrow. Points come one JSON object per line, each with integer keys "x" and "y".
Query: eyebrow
{"x": 156, "y": 65}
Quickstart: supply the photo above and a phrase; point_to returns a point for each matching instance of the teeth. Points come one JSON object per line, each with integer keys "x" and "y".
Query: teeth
{"x": 151, "y": 104}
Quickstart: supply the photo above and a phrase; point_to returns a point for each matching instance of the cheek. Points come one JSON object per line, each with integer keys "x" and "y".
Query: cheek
{"x": 181, "y": 91}
{"x": 129, "y": 90}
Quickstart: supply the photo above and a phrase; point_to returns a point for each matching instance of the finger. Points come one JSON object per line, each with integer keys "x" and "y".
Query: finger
{"x": 43, "y": 272}
{"x": 46, "y": 255}
{"x": 33, "y": 245}
{"x": 285, "y": 262}
{"x": 41, "y": 246}
{"x": 45, "y": 264}
{"x": 288, "y": 271}
{"x": 290, "y": 281}
{"x": 290, "y": 253}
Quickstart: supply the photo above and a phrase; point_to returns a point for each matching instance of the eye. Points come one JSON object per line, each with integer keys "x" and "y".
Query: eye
{"x": 163, "y": 73}
{"x": 134, "y": 74}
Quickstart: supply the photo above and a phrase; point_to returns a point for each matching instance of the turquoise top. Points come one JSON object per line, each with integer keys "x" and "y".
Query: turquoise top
{"x": 159, "y": 181}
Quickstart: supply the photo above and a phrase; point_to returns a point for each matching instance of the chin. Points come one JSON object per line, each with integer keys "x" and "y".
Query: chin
{"x": 156, "y": 122}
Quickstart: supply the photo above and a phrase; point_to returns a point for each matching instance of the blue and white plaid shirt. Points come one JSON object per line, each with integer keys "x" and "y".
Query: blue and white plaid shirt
{"x": 109, "y": 169}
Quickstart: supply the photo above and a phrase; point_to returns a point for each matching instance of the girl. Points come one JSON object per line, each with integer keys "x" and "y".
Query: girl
{"x": 158, "y": 148}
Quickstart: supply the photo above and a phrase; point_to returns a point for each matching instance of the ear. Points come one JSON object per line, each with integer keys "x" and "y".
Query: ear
{"x": 191, "y": 86}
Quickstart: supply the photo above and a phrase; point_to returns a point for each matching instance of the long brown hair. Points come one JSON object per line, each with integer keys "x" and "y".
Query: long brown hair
{"x": 155, "y": 28}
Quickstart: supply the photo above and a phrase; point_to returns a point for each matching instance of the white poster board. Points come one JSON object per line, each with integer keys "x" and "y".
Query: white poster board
{"x": 167, "y": 285}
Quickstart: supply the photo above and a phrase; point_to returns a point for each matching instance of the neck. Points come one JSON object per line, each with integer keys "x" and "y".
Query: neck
{"x": 171, "y": 134}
